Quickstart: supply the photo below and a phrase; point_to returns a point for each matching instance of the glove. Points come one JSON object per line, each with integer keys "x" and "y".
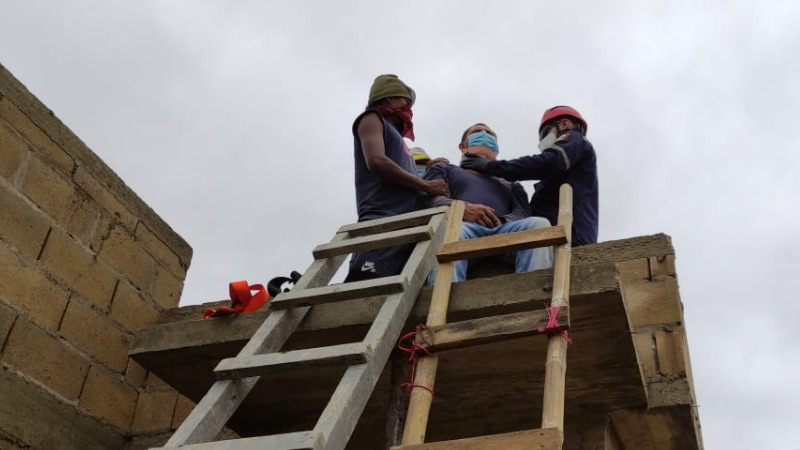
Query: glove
{"x": 476, "y": 163}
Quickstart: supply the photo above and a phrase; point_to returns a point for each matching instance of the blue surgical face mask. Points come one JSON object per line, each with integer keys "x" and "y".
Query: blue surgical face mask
{"x": 483, "y": 139}
{"x": 420, "y": 171}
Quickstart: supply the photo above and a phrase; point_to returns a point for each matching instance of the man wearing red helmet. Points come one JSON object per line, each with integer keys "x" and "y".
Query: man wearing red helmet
{"x": 566, "y": 157}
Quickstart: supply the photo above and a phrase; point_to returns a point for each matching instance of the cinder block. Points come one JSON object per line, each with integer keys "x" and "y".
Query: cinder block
{"x": 662, "y": 266}
{"x": 28, "y": 290}
{"x": 652, "y": 302}
{"x": 633, "y": 270}
{"x": 154, "y": 411}
{"x": 646, "y": 353}
{"x": 670, "y": 348}
{"x": 105, "y": 198}
{"x": 7, "y": 317}
{"x": 121, "y": 251}
{"x": 167, "y": 289}
{"x": 77, "y": 267}
{"x": 12, "y": 151}
{"x": 95, "y": 334}
{"x": 154, "y": 383}
{"x": 108, "y": 398}
{"x": 38, "y": 139}
{"x": 58, "y": 197}
{"x": 183, "y": 407}
{"x": 131, "y": 309}
{"x": 45, "y": 359}
{"x": 135, "y": 374}
{"x": 21, "y": 224}
{"x": 159, "y": 250}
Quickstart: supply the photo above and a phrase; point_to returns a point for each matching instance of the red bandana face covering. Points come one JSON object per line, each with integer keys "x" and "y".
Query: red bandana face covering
{"x": 404, "y": 115}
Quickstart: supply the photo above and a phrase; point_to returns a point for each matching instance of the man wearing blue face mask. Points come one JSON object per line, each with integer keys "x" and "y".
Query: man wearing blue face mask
{"x": 492, "y": 205}
{"x": 566, "y": 157}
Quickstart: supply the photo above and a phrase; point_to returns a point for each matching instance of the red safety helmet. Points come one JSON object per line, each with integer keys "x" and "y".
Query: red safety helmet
{"x": 561, "y": 111}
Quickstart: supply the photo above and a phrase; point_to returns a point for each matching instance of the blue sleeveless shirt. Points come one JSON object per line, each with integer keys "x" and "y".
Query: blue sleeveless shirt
{"x": 376, "y": 198}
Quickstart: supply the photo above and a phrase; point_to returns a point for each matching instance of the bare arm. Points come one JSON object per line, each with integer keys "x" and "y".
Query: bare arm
{"x": 370, "y": 132}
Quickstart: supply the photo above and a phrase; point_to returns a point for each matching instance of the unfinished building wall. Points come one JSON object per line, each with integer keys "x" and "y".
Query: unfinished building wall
{"x": 84, "y": 264}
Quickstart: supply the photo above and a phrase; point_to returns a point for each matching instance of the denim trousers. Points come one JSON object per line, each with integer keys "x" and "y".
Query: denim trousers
{"x": 524, "y": 260}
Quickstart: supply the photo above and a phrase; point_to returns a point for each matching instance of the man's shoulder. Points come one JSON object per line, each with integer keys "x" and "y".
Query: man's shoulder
{"x": 368, "y": 117}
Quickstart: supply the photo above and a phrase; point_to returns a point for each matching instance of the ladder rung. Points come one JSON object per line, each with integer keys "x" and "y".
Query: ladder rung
{"x": 489, "y": 329}
{"x": 301, "y": 440}
{"x": 248, "y": 366}
{"x": 373, "y": 241}
{"x": 501, "y": 243}
{"x": 406, "y": 220}
{"x": 340, "y": 292}
{"x": 539, "y": 439}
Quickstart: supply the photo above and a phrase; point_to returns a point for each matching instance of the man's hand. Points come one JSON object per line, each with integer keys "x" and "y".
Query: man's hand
{"x": 476, "y": 163}
{"x": 481, "y": 214}
{"x": 436, "y": 187}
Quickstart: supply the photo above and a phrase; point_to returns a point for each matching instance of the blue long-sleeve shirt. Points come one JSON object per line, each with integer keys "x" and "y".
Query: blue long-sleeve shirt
{"x": 509, "y": 200}
{"x": 571, "y": 159}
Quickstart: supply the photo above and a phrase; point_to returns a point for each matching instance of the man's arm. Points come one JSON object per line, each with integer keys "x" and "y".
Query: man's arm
{"x": 473, "y": 212}
{"x": 370, "y": 132}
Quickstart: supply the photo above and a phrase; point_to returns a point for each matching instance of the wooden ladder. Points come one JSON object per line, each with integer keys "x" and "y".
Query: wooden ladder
{"x": 365, "y": 360}
{"x": 439, "y": 335}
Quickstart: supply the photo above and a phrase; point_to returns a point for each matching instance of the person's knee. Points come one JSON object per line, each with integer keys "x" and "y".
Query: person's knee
{"x": 532, "y": 223}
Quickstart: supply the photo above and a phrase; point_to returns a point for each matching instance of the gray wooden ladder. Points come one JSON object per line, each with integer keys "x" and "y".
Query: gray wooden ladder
{"x": 364, "y": 360}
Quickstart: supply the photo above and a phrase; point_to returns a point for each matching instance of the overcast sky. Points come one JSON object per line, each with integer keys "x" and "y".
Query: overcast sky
{"x": 232, "y": 120}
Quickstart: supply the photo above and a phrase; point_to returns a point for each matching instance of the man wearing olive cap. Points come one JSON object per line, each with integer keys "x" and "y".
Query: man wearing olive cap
{"x": 385, "y": 174}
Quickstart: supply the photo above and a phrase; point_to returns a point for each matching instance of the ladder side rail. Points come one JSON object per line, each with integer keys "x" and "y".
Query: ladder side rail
{"x": 221, "y": 401}
{"x": 556, "y": 362}
{"x": 339, "y": 419}
{"x": 420, "y": 399}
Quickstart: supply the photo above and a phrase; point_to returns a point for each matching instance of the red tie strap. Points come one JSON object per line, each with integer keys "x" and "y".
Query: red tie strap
{"x": 552, "y": 326}
{"x": 242, "y": 299}
{"x": 414, "y": 350}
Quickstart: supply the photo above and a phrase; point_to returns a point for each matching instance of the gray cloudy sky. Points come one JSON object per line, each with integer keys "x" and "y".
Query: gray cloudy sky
{"x": 232, "y": 120}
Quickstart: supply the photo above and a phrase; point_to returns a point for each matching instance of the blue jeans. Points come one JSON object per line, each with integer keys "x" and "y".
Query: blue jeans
{"x": 524, "y": 260}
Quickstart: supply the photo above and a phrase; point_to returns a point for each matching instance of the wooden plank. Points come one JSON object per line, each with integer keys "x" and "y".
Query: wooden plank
{"x": 421, "y": 396}
{"x": 339, "y": 419}
{"x": 385, "y": 224}
{"x": 248, "y": 366}
{"x": 555, "y": 366}
{"x": 540, "y": 439}
{"x": 501, "y": 243}
{"x": 489, "y": 329}
{"x": 339, "y": 292}
{"x": 302, "y": 440}
{"x": 373, "y": 241}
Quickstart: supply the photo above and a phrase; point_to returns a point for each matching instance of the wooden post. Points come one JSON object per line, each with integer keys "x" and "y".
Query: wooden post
{"x": 556, "y": 364}
{"x": 398, "y": 397}
{"x": 421, "y": 398}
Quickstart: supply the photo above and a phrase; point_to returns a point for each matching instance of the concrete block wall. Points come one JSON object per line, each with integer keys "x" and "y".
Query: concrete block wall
{"x": 84, "y": 264}
{"x": 650, "y": 290}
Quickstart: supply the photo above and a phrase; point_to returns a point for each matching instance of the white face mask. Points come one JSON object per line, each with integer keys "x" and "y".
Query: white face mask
{"x": 548, "y": 140}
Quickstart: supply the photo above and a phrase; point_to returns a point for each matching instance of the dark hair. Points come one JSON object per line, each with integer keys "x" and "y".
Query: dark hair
{"x": 464, "y": 135}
